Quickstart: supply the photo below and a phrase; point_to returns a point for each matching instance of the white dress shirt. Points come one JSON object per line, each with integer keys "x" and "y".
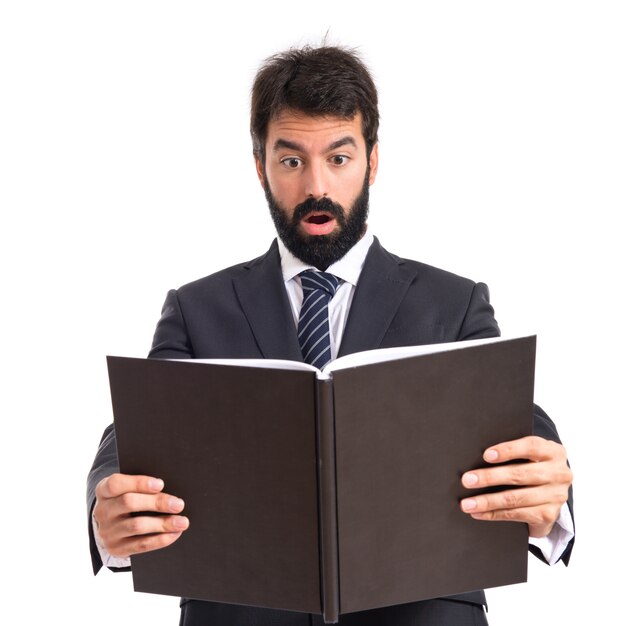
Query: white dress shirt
{"x": 348, "y": 269}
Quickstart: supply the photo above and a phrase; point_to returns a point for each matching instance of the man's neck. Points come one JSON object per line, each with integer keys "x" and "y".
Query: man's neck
{"x": 348, "y": 268}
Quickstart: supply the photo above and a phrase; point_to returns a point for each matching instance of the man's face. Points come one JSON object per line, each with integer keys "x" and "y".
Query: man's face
{"x": 316, "y": 179}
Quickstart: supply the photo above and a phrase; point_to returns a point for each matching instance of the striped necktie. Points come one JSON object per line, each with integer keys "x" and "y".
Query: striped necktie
{"x": 313, "y": 331}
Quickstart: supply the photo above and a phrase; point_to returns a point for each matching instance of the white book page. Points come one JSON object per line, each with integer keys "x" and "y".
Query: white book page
{"x": 392, "y": 354}
{"x": 277, "y": 364}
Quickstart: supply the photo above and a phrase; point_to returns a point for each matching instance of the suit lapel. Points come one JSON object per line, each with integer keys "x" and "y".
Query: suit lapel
{"x": 381, "y": 288}
{"x": 261, "y": 292}
{"x": 262, "y": 295}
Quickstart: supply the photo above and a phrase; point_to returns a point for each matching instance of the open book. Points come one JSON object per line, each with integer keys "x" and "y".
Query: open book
{"x": 328, "y": 491}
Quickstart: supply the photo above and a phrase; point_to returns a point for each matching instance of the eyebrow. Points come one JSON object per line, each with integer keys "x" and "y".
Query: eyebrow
{"x": 292, "y": 145}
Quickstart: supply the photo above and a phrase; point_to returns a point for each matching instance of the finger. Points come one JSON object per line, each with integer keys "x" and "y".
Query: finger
{"x": 143, "y": 543}
{"x": 126, "y": 531}
{"x": 532, "y": 448}
{"x": 134, "y": 526}
{"x": 116, "y": 484}
{"x": 513, "y": 499}
{"x": 540, "y": 519}
{"x": 519, "y": 474}
{"x": 137, "y": 502}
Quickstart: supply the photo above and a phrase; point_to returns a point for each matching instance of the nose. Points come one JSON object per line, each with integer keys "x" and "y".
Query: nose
{"x": 315, "y": 185}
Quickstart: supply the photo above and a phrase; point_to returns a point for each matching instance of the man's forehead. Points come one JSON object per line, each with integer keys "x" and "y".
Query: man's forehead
{"x": 298, "y": 125}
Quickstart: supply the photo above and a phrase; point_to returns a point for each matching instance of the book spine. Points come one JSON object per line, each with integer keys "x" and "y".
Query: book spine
{"x": 327, "y": 496}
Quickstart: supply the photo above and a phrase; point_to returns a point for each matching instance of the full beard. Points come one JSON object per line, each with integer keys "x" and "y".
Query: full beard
{"x": 321, "y": 251}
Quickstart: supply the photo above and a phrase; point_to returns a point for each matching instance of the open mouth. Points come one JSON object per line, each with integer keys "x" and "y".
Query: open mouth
{"x": 318, "y": 223}
{"x": 318, "y": 218}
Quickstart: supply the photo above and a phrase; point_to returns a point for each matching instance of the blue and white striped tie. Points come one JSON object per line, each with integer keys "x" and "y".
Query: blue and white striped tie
{"x": 313, "y": 331}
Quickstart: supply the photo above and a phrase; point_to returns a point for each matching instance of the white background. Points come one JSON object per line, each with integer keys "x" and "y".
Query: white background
{"x": 126, "y": 169}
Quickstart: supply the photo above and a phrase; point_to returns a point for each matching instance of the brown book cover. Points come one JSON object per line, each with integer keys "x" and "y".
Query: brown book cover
{"x": 326, "y": 492}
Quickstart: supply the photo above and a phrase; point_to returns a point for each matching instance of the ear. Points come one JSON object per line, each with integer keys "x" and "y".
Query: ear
{"x": 373, "y": 164}
{"x": 260, "y": 171}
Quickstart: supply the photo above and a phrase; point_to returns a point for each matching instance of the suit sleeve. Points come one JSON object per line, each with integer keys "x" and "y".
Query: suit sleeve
{"x": 170, "y": 341}
{"x": 479, "y": 321}
{"x": 544, "y": 427}
{"x": 104, "y": 465}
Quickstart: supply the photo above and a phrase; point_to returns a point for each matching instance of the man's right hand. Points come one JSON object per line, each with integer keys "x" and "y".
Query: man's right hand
{"x": 119, "y": 498}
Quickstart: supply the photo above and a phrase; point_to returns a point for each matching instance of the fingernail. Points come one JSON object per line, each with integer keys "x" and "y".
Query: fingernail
{"x": 181, "y": 522}
{"x": 469, "y": 504}
{"x": 469, "y": 480}
{"x": 491, "y": 455}
{"x": 176, "y": 504}
{"x": 156, "y": 484}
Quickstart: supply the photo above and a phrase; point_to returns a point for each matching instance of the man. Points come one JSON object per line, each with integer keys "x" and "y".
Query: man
{"x": 314, "y": 123}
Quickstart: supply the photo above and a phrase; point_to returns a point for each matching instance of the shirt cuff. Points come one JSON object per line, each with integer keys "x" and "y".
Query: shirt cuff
{"x": 554, "y": 543}
{"x": 107, "y": 559}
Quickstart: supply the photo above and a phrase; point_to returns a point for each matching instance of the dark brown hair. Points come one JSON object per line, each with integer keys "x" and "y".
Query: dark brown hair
{"x": 316, "y": 81}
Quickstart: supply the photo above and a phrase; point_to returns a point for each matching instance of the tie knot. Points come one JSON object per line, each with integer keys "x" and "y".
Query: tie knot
{"x": 315, "y": 281}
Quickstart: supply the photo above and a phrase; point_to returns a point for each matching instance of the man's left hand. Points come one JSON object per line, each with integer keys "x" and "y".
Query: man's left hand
{"x": 542, "y": 479}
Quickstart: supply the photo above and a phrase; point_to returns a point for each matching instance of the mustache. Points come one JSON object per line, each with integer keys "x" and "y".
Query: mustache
{"x": 325, "y": 205}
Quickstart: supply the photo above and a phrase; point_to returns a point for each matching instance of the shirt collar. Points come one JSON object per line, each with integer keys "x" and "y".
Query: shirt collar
{"x": 348, "y": 268}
